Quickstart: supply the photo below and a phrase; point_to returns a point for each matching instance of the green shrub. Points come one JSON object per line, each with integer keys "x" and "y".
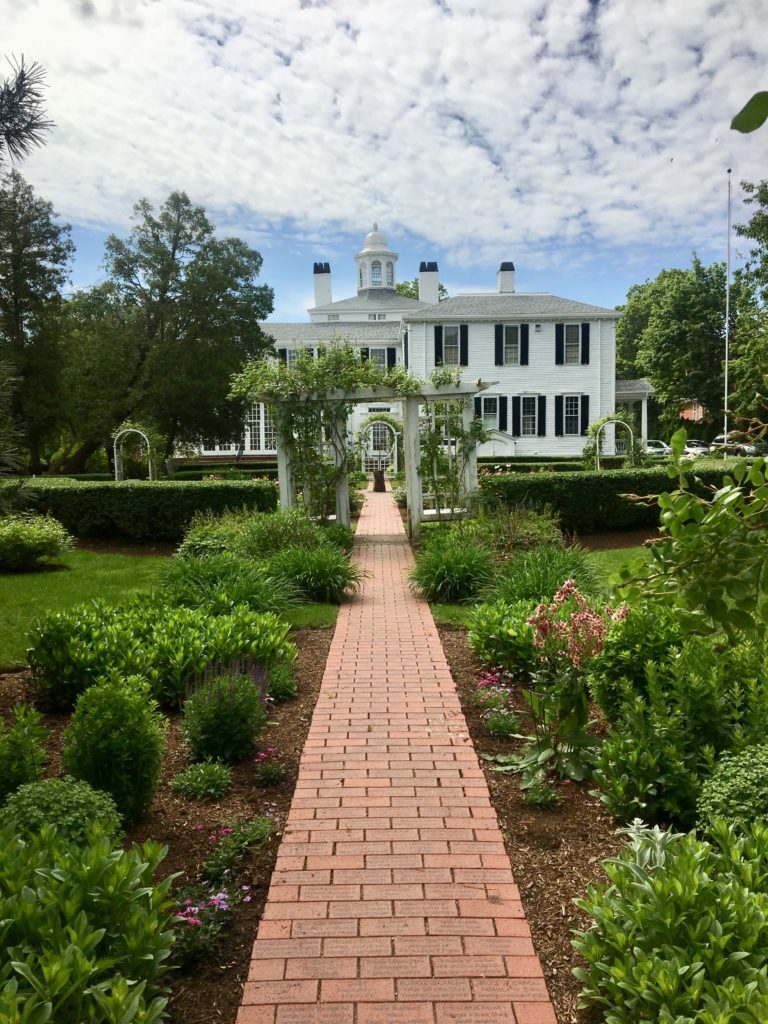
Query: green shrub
{"x": 143, "y": 509}
{"x": 586, "y": 502}
{"x": 86, "y": 931}
{"x": 341, "y": 536}
{"x": 26, "y": 540}
{"x": 282, "y": 682}
{"x": 225, "y": 714}
{"x": 499, "y": 634}
{"x": 737, "y": 789}
{"x": 207, "y": 780}
{"x": 115, "y": 742}
{"x": 220, "y": 582}
{"x": 509, "y": 530}
{"x": 618, "y": 673}
{"x": 538, "y": 574}
{"x": 452, "y": 570}
{"x": 251, "y": 534}
{"x": 70, "y": 806}
{"x": 22, "y": 750}
{"x": 168, "y": 646}
{"x": 700, "y": 702}
{"x": 231, "y": 845}
{"x": 400, "y": 497}
{"x": 680, "y": 931}
{"x": 323, "y": 574}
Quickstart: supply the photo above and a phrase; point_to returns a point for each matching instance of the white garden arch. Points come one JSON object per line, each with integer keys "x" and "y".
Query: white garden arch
{"x": 367, "y": 433}
{"x": 120, "y": 437}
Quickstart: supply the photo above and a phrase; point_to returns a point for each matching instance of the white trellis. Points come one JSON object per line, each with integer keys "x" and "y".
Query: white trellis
{"x": 465, "y": 392}
{"x": 120, "y": 437}
{"x": 602, "y": 427}
{"x": 368, "y": 433}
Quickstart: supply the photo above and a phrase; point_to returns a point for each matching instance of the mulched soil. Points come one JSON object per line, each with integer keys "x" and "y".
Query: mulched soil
{"x": 211, "y": 991}
{"x": 555, "y": 854}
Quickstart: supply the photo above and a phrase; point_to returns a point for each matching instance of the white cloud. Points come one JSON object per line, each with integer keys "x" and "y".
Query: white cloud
{"x": 539, "y": 128}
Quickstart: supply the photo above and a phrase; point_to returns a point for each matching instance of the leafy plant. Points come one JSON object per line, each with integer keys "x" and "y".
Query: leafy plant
{"x": 231, "y": 845}
{"x": 72, "y": 807}
{"x": 452, "y": 570}
{"x": 737, "y": 789}
{"x": 26, "y": 540}
{"x": 501, "y": 722}
{"x": 538, "y": 574}
{"x": 22, "y": 749}
{"x": 342, "y": 537}
{"x": 226, "y": 712}
{"x": 282, "y": 682}
{"x": 220, "y": 582}
{"x": 206, "y": 780}
{"x": 680, "y": 930}
{"x": 115, "y": 742}
{"x": 250, "y": 535}
{"x": 270, "y": 767}
{"x": 500, "y": 634}
{"x": 202, "y": 914}
{"x": 322, "y": 574}
{"x": 494, "y": 690}
{"x": 169, "y": 647}
{"x": 85, "y": 930}
{"x": 537, "y": 792}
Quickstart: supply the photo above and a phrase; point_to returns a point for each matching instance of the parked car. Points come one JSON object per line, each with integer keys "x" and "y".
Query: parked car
{"x": 737, "y": 445}
{"x": 657, "y": 448}
{"x": 694, "y": 447}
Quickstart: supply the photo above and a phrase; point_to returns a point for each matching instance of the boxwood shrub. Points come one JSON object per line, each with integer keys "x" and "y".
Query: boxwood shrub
{"x": 25, "y": 540}
{"x": 142, "y": 509}
{"x": 588, "y": 501}
{"x": 69, "y": 805}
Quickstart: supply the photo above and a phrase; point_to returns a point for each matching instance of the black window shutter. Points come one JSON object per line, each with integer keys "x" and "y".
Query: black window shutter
{"x": 585, "y": 344}
{"x": 405, "y": 349}
{"x": 560, "y": 344}
{"x": 499, "y": 345}
{"x": 503, "y": 413}
{"x": 282, "y": 355}
{"x": 464, "y": 345}
{"x": 558, "y": 415}
{"x": 391, "y": 357}
{"x": 523, "y": 344}
{"x": 516, "y": 415}
{"x": 478, "y": 408}
{"x": 541, "y": 419}
{"x": 584, "y": 413}
{"x": 365, "y": 353}
{"x": 438, "y": 345}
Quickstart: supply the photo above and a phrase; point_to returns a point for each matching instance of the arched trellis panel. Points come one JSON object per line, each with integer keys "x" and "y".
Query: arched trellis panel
{"x": 119, "y": 440}
{"x": 367, "y": 433}
{"x": 611, "y": 422}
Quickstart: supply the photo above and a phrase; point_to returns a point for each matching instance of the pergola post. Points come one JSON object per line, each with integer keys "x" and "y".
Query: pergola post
{"x": 643, "y": 420}
{"x": 470, "y": 463}
{"x": 339, "y": 444}
{"x": 412, "y": 459}
{"x": 285, "y": 475}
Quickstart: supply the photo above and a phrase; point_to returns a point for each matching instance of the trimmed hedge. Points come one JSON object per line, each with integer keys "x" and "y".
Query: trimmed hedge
{"x": 543, "y": 466}
{"x": 142, "y": 509}
{"x": 588, "y": 501}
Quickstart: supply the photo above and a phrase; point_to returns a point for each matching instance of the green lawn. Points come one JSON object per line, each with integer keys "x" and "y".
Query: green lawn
{"x": 86, "y": 575}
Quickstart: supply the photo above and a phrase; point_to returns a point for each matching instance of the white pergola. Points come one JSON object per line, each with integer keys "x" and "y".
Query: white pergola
{"x": 464, "y": 392}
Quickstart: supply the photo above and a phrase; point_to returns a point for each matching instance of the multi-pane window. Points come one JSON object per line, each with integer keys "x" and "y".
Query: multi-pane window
{"x": 253, "y": 426}
{"x": 490, "y": 413}
{"x": 390, "y": 274}
{"x": 528, "y": 416}
{"x": 572, "y": 344}
{"x": 377, "y": 316}
{"x": 511, "y": 344}
{"x": 378, "y": 356}
{"x": 376, "y": 274}
{"x": 270, "y": 430}
{"x": 291, "y": 355}
{"x": 451, "y": 346}
{"x": 362, "y": 276}
{"x": 333, "y": 316}
{"x": 572, "y": 423}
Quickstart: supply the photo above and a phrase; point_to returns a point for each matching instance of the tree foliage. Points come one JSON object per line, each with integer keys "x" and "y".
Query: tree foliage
{"x": 410, "y": 289}
{"x": 23, "y": 122}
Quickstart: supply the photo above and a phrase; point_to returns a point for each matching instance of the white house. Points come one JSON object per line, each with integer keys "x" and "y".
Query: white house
{"x": 553, "y": 359}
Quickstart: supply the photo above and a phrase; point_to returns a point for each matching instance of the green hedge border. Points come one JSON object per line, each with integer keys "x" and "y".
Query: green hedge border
{"x": 141, "y": 509}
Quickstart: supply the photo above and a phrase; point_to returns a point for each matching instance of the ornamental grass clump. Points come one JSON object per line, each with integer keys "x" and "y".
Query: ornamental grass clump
{"x": 220, "y": 582}
{"x": 324, "y": 574}
{"x": 452, "y": 569}
{"x": 538, "y": 574}
{"x": 226, "y": 711}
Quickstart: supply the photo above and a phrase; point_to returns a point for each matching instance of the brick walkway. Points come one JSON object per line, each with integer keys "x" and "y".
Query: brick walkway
{"x": 392, "y": 900}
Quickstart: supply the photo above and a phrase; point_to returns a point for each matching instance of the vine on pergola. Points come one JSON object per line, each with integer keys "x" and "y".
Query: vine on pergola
{"x": 311, "y": 401}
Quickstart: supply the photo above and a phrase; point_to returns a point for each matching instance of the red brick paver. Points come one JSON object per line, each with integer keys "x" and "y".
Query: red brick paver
{"x": 392, "y": 899}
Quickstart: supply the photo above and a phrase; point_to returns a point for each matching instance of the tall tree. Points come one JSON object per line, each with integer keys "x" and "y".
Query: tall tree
{"x": 410, "y": 289}
{"x": 183, "y": 310}
{"x": 673, "y": 333}
{"x": 22, "y": 116}
{"x": 35, "y": 254}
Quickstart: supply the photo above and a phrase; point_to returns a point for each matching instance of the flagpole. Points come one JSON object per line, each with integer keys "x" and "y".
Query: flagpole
{"x": 727, "y": 320}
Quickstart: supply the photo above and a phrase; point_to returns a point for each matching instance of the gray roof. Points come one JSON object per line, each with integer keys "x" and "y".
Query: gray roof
{"x": 371, "y": 299}
{"x": 511, "y": 305}
{"x": 366, "y": 330}
{"x": 634, "y": 387}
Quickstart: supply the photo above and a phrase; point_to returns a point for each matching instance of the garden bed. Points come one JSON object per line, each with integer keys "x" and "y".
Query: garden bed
{"x": 555, "y": 854}
{"x": 212, "y": 990}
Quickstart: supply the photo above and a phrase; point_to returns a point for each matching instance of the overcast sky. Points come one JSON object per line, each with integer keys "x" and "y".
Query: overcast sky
{"x": 587, "y": 140}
